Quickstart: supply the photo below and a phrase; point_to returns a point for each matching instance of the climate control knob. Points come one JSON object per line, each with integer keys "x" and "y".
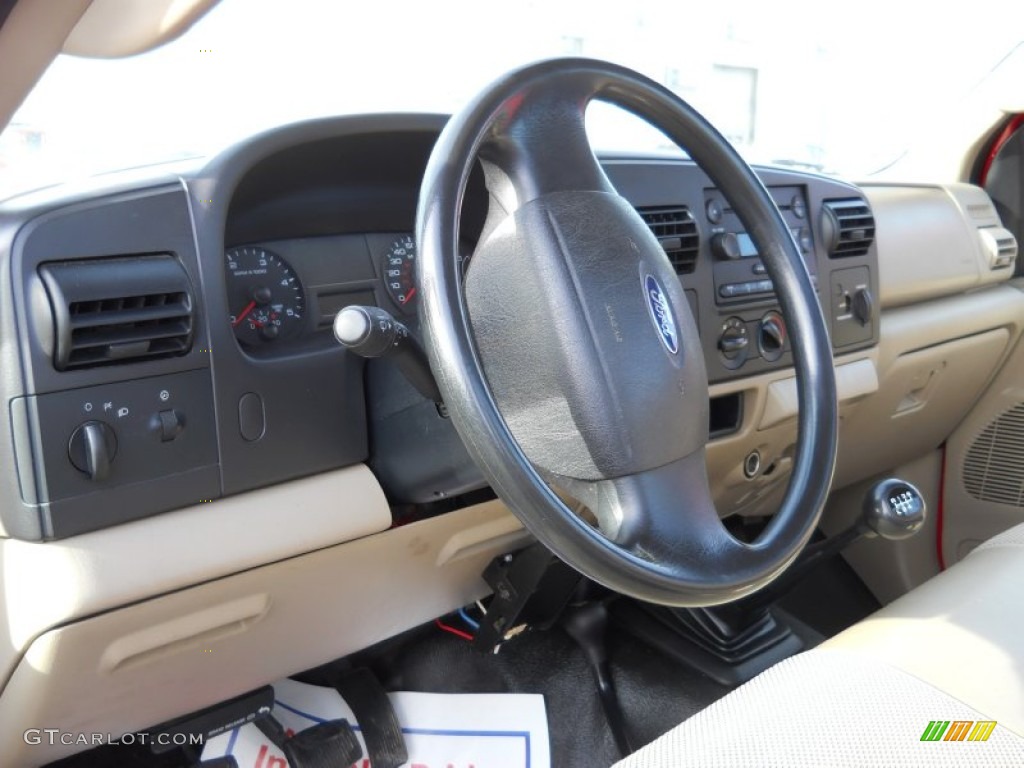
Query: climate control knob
{"x": 771, "y": 337}
{"x": 734, "y": 342}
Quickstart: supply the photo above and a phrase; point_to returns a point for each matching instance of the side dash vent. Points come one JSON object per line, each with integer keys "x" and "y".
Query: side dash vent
{"x": 848, "y": 227}
{"x": 999, "y": 246}
{"x": 676, "y": 230}
{"x": 118, "y": 310}
{"x": 994, "y": 465}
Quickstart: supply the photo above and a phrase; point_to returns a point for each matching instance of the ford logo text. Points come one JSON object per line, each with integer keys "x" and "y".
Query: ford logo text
{"x": 661, "y": 314}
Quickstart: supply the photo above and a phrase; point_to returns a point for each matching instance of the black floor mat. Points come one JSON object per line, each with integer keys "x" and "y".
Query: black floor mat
{"x": 656, "y": 693}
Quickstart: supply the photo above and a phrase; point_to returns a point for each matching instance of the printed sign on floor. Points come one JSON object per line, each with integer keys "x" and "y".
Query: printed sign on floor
{"x": 469, "y": 730}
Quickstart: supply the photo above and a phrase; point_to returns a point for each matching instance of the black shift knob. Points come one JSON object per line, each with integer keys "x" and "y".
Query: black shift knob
{"x": 893, "y": 509}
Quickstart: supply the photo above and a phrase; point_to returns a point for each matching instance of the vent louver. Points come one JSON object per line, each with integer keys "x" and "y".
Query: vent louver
{"x": 848, "y": 227}
{"x": 1006, "y": 248}
{"x": 676, "y": 230}
{"x": 994, "y": 465}
{"x": 1001, "y": 247}
{"x": 118, "y": 310}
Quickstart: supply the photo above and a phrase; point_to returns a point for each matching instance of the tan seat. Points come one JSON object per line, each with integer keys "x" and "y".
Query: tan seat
{"x": 950, "y": 650}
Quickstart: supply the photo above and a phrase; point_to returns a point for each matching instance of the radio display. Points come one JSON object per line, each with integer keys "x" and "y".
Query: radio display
{"x": 747, "y": 248}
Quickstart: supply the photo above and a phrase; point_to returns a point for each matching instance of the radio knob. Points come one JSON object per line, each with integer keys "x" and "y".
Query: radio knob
{"x": 725, "y": 245}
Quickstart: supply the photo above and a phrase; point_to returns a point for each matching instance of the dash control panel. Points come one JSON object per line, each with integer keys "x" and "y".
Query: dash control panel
{"x": 115, "y": 449}
{"x": 739, "y": 274}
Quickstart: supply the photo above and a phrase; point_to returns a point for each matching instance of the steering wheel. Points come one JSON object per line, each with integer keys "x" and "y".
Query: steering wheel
{"x": 567, "y": 353}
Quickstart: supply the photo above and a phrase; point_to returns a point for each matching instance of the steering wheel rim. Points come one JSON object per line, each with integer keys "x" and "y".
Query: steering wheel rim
{"x": 527, "y": 128}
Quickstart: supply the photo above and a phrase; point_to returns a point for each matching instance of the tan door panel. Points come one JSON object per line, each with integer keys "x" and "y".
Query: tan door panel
{"x": 984, "y": 482}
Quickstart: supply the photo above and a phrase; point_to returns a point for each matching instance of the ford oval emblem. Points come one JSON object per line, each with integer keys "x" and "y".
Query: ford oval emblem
{"x": 661, "y": 314}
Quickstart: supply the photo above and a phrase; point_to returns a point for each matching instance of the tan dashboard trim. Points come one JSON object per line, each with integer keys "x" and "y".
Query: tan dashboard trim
{"x": 853, "y": 380}
{"x": 49, "y": 584}
{"x": 932, "y": 240}
{"x": 149, "y": 662}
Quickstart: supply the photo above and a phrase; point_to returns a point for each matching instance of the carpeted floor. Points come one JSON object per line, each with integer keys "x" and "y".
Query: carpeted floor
{"x": 656, "y": 693}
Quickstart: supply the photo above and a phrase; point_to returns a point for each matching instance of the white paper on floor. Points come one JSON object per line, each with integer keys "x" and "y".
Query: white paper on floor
{"x": 467, "y": 730}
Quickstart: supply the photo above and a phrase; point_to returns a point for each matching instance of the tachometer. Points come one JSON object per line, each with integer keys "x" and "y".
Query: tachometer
{"x": 265, "y": 296}
{"x": 400, "y": 272}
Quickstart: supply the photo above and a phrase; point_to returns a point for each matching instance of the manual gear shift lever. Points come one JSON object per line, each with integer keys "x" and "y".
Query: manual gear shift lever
{"x": 732, "y": 643}
{"x": 893, "y": 509}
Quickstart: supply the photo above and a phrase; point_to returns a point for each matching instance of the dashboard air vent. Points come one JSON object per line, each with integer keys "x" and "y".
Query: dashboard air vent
{"x": 118, "y": 310}
{"x": 1000, "y": 247}
{"x": 676, "y": 230}
{"x": 848, "y": 227}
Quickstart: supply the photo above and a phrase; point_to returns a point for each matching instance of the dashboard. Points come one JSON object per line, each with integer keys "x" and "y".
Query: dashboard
{"x": 174, "y": 341}
{"x": 195, "y": 461}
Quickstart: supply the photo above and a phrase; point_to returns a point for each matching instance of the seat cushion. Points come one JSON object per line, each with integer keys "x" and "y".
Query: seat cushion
{"x": 950, "y": 650}
{"x": 962, "y": 631}
{"x": 828, "y": 708}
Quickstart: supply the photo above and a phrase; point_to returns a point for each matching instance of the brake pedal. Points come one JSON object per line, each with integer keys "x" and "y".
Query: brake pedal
{"x": 331, "y": 744}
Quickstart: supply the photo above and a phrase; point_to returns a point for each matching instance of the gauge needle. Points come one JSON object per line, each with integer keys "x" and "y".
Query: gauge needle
{"x": 248, "y": 308}
{"x": 408, "y": 297}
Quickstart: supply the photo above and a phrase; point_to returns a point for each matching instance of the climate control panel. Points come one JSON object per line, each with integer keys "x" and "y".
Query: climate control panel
{"x": 741, "y": 340}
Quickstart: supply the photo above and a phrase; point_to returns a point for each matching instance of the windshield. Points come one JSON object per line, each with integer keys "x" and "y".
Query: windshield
{"x": 840, "y": 89}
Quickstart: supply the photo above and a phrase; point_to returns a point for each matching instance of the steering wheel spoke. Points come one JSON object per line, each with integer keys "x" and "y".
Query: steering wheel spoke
{"x": 539, "y": 142}
{"x": 660, "y": 512}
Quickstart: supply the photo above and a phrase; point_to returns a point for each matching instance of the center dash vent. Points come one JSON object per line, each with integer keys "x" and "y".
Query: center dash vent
{"x": 118, "y": 310}
{"x": 676, "y": 230}
{"x": 848, "y": 227}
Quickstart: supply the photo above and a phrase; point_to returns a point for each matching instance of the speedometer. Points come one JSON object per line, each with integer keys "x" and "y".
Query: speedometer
{"x": 265, "y": 296}
{"x": 400, "y": 272}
